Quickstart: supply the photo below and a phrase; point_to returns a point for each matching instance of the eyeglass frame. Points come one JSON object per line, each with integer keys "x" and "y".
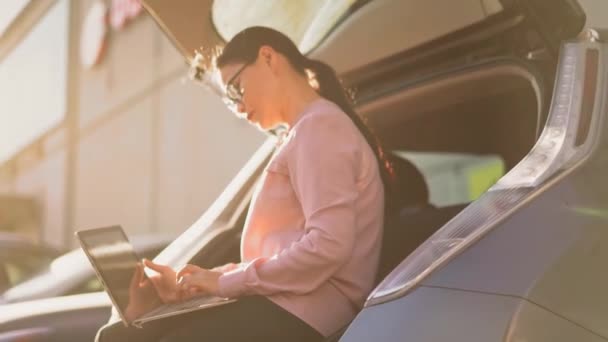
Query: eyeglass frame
{"x": 236, "y": 95}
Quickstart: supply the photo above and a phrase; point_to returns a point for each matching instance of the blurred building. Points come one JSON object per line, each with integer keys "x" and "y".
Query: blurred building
{"x": 103, "y": 129}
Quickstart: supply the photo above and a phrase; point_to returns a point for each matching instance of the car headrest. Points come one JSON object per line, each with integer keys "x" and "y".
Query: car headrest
{"x": 409, "y": 186}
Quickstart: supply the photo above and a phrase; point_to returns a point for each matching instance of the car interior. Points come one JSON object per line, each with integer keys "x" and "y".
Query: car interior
{"x": 475, "y": 116}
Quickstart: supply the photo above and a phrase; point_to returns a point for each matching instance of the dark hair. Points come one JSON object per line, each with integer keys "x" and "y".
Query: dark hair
{"x": 244, "y": 48}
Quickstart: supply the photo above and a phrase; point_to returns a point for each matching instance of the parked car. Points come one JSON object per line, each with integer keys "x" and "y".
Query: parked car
{"x": 58, "y": 319}
{"x": 20, "y": 259}
{"x": 77, "y": 317}
{"x": 72, "y": 273}
{"x": 524, "y": 261}
{"x": 438, "y": 79}
{"x": 65, "y": 302}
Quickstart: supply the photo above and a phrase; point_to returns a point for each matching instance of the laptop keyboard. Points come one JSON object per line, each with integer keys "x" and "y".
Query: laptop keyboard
{"x": 190, "y": 304}
{"x": 177, "y": 308}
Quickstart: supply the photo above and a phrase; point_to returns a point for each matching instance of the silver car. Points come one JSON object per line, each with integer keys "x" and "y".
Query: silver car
{"x": 519, "y": 256}
{"x": 495, "y": 113}
{"x": 72, "y": 273}
{"x": 21, "y": 258}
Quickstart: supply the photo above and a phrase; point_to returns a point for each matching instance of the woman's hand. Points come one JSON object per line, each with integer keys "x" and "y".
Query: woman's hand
{"x": 141, "y": 291}
{"x": 226, "y": 268}
{"x": 164, "y": 282}
{"x": 193, "y": 279}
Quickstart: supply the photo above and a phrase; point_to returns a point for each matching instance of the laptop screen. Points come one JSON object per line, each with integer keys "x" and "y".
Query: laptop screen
{"x": 115, "y": 260}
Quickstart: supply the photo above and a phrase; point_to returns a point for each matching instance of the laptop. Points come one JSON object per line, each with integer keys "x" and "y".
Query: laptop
{"x": 115, "y": 261}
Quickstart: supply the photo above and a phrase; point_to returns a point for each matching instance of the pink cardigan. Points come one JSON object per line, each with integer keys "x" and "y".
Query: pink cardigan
{"x": 311, "y": 242}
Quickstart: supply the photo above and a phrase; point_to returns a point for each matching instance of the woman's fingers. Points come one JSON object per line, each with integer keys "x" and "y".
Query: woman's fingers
{"x": 192, "y": 283}
{"x": 186, "y": 281}
{"x": 189, "y": 293}
{"x": 188, "y": 269}
{"x": 152, "y": 265}
{"x": 135, "y": 279}
{"x": 140, "y": 275}
{"x": 157, "y": 282}
{"x": 185, "y": 287}
{"x": 192, "y": 292}
{"x": 163, "y": 269}
{"x": 202, "y": 280}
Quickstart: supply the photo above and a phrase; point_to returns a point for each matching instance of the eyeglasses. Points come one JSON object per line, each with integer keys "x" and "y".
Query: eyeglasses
{"x": 234, "y": 92}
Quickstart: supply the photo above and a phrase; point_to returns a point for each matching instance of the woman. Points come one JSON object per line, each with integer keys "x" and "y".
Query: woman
{"x": 311, "y": 243}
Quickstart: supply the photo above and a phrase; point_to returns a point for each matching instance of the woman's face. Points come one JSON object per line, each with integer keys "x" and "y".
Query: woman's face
{"x": 255, "y": 85}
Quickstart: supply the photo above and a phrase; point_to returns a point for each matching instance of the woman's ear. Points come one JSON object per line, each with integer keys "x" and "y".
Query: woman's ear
{"x": 266, "y": 53}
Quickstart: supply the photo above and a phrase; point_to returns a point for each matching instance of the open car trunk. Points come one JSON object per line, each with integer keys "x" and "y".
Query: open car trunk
{"x": 490, "y": 108}
{"x": 351, "y": 35}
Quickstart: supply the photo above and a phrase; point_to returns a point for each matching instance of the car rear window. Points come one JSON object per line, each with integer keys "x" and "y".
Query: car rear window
{"x": 306, "y": 22}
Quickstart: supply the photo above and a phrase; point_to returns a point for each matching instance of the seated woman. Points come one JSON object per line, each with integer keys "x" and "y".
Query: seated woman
{"x": 311, "y": 242}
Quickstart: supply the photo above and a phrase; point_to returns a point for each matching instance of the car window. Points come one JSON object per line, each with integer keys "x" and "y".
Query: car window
{"x": 455, "y": 178}
{"x": 4, "y": 279}
{"x": 90, "y": 285}
{"x": 21, "y": 267}
{"x": 16, "y": 273}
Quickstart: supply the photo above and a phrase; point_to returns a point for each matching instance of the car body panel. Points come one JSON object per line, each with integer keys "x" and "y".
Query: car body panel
{"x": 68, "y": 318}
{"x": 548, "y": 252}
{"x": 559, "y": 237}
{"x": 18, "y": 311}
{"x": 431, "y": 314}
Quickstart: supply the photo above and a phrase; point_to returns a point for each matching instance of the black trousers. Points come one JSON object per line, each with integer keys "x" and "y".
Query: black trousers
{"x": 253, "y": 318}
